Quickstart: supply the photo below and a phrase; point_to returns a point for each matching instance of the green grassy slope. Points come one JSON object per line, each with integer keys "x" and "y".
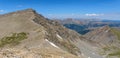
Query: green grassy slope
{"x": 14, "y": 39}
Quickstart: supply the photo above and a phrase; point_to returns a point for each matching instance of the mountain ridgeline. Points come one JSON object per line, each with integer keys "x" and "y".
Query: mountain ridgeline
{"x": 27, "y": 34}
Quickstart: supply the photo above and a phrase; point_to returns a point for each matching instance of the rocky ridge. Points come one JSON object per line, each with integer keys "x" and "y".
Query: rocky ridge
{"x": 45, "y": 38}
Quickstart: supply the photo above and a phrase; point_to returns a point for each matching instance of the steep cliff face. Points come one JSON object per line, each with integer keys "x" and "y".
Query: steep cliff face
{"x": 28, "y": 34}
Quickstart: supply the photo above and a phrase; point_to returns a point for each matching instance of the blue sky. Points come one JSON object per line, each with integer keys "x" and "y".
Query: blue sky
{"x": 103, "y": 9}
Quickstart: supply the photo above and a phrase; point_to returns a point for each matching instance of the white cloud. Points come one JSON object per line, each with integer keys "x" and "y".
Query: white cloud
{"x": 93, "y": 14}
{"x": 2, "y": 10}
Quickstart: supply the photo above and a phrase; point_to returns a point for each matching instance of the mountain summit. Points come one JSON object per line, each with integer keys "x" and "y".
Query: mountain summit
{"x": 27, "y": 34}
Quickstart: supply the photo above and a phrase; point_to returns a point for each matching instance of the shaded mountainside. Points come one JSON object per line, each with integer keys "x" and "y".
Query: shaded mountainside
{"x": 27, "y": 34}
{"x": 83, "y": 26}
{"x": 81, "y": 29}
{"x": 73, "y": 24}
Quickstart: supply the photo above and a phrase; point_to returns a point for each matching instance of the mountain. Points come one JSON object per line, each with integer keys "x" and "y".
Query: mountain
{"x": 87, "y": 49}
{"x": 69, "y": 21}
{"x": 102, "y": 37}
{"x": 83, "y": 26}
{"x": 27, "y": 34}
{"x": 107, "y": 39}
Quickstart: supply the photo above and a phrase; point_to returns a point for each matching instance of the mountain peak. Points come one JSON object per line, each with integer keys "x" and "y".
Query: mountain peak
{"x": 106, "y": 27}
{"x": 27, "y": 10}
{"x": 30, "y": 9}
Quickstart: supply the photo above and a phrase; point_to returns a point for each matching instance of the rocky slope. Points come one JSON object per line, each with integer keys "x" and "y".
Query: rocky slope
{"x": 107, "y": 39}
{"x": 102, "y": 37}
{"x": 27, "y": 34}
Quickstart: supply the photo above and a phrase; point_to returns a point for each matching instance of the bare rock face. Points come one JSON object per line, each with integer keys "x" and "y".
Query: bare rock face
{"x": 27, "y": 34}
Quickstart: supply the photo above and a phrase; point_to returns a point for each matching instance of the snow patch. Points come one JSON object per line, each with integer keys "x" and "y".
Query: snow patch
{"x": 106, "y": 30}
{"x": 59, "y": 36}
{"x": 51, "y": 43}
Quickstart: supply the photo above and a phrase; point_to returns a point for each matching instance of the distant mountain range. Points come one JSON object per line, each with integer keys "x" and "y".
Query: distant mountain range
{"x": 83, "y": 26}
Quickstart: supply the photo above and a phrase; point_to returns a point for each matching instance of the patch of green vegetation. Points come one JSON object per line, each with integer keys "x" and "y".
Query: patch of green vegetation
{"x": 115, "y": 54}
{"x": 116, "y": 32}
{"x": 14, "y": 39}
{"x": 104, "y": 50}
{"x": 111, "y": 51}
